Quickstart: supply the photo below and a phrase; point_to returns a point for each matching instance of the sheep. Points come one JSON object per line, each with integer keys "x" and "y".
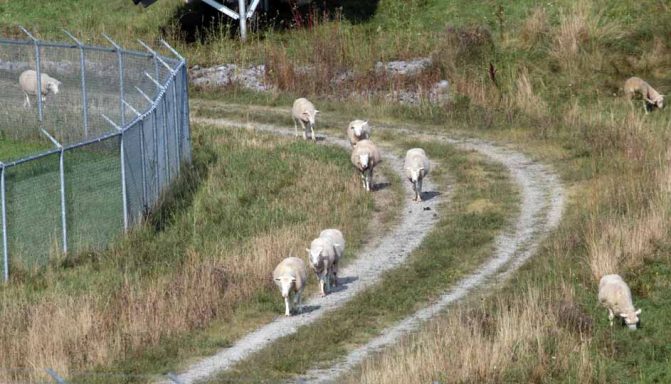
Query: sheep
{"x": 614, "y": 294}
{"x": 358, "y": 130}
{"x": 365, "y": 157}
{"x": 304, "y": 112}
{"x": 28, "y": 83}
{"x": 416, "y": 167}
{"x": 290, "y": 276}
{"x": 652, "y": 98}
{"x": 323, "y": 254}
{"x": 338, "y": 241}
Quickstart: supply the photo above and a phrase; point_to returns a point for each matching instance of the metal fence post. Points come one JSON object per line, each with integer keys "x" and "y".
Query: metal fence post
{"x": 181, "y": 69}
{"x": 145, "y": 203}
{"x": 38, "y": 72}
{"x": 82, "y": 65}
{"x": 124, "y": 196}
{"x": 119, "y": 52}
{"x": 61, "y": 171}
{"x": 55, "y": 376}
{"x": 5, "y": 255}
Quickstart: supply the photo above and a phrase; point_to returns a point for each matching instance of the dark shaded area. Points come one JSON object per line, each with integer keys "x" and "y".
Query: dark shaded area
{"x": 194, "y": 22}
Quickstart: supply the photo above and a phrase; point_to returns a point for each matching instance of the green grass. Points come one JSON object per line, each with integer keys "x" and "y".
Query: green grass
{"x": 462, "y": 239}
{"x": 13, "y": 149}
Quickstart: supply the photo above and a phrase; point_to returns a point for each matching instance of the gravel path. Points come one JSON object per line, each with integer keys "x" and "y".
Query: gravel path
{"x": 540, "y": 211}
{"x": 414, "y": 223}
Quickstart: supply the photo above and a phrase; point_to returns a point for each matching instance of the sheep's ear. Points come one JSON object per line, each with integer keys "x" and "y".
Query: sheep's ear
{"x": 316, "y": 112}
{"x": 307, "y": 249}
{"x": 638, "y": 312}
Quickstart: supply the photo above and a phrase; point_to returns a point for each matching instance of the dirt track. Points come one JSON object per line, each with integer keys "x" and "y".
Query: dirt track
{"x": 540, "y": 211}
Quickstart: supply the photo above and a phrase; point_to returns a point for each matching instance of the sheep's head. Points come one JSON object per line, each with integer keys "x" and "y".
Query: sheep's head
{"x": 309, "y": 116}
{"x": 659, "y": 101}
{"x": 631, "y": 318}
{"x": 358, "y": 127}
{"x": 314, "y": 254}
{"x": 416, "y": 174}
{"x": 52, "y": 86}
{"x": 285, "y": 283}
{"x": 364, "y": 160}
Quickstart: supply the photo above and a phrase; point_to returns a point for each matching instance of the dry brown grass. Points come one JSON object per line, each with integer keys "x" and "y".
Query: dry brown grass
{"x": 535, "y": 28}
{"x": 484, "y": 344}
{"x": 526, "y": 99}
{"x": 77, "y": 332}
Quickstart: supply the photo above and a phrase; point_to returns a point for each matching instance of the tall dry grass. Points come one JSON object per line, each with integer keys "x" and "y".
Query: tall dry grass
{"x": 76, "y": 332}
{"x": 486, "y": 343}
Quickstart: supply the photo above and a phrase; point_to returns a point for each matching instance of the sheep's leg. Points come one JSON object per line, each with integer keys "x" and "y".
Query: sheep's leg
{"x": 295, "y": 128}
{"x": 335, "y": 274}
{"x": 298, "y": 302}
{"x": 418, "y": 191}
{"x": 312, "y": 131}
{"x": 363, "y": 179}
{"x": 611, "y": 316}
{"x": 321, "y": 286}
{"x": 305, "y": 136}
{"x": 287, "y": 307}
{"x": 370, "y": 179}
{"x": 26, "y": 103}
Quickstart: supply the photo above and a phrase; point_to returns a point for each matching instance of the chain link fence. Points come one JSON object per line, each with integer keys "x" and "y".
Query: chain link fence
{"x": 94, "y": 157}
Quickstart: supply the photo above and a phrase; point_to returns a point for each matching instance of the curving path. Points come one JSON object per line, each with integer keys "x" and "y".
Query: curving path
{"x": 541, "y": 209}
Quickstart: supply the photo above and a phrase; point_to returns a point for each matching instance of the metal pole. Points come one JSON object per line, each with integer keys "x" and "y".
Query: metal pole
{"x": 82, "y": 65}
{"x": 185, "y": 110}
{"x": 119, "y": 52}
{"x": 38, "y": 72}
{"x": 165, "y": 137}
{"x": 5, "y": 255}
{"x": 55, "y": 376}
{"x": 243, "y": 20}
{"x": 124, "y": 197}
{"x": 61, "y": 171}
{"x": 145, "y": 203}
{"x": 176, "y": 119}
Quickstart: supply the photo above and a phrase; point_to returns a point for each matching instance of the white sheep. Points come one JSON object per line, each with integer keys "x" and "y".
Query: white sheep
{"x": 614, "y": 294}
{"x": 291, "y": 276}
{"x": 338, "y": 241}
{"x": 323, "y": 256}
{"x": 358, "y": 130}
{"x": 416, "y": 167}
{"x": 304, "y": 112}
{"x": 365, "y": 157}
{"x": 652, "y": 98}
{"x": 28, "y": 83}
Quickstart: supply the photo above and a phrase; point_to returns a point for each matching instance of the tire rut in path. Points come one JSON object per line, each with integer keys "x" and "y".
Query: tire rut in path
{"x": 540, "y": 211}
{"x": 414, "y": 223}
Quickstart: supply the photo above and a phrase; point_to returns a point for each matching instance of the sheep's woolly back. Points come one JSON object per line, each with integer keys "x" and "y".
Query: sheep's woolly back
{"x": 366, "y": 146}
{"x": 302, "y": 105}
{"x": 615, "y": 294}
{"x": 365, "y": 134}
{"x": 336, "y": 238}
{"x": 294, "y": 267}
{"x": 28, "y": 82}
{"x": 416, "y": 158}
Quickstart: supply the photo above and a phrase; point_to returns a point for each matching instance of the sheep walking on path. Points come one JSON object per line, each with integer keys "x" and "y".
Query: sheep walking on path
{"x": 365, "y": 157}
{"x": 291, "y": 276}
{"x": 615, "y": 295}
{"x": 652, "y": 98}
{"x": 28, "y": 83}
{"x": 416, "y": 167}
{"x": 304, "y": 112}
{"x": 338, "y": 241}
{"x": 358, "y": 130}
{"x": 324, "y": 253}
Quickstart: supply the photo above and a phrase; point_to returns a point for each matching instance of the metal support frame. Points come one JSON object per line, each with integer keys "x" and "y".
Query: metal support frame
{"x": 242, "y": 15}
{"x": 5, "y": 254}
{"x": 124, "y": 196}
{"x": 38, "y": 72}
{"x": 61, "y": 172}
{"x": 119, "y": 52}
{"x": 82, "y": 65}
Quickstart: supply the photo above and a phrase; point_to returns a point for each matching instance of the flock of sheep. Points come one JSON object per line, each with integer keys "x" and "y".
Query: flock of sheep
{"x": 325, "y": 251}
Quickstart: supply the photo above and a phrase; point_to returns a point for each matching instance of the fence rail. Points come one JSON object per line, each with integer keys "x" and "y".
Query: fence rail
{"x": 83, "y": 163}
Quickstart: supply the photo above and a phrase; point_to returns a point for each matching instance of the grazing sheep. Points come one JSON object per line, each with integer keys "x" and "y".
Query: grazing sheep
{"x": 365, "y": 157}
{"x": 358, "y": 130}
{"x": 416, "y": 168}
{"x": 304, "y": 112}
{"x": 28, "y": 82}
{"x": 291, "y": 276}
{"x": 614, "y": 294}
{"x": 652, "y": 98}
{"x": 323, "y": 256}
{"x": 338, "y": 241}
